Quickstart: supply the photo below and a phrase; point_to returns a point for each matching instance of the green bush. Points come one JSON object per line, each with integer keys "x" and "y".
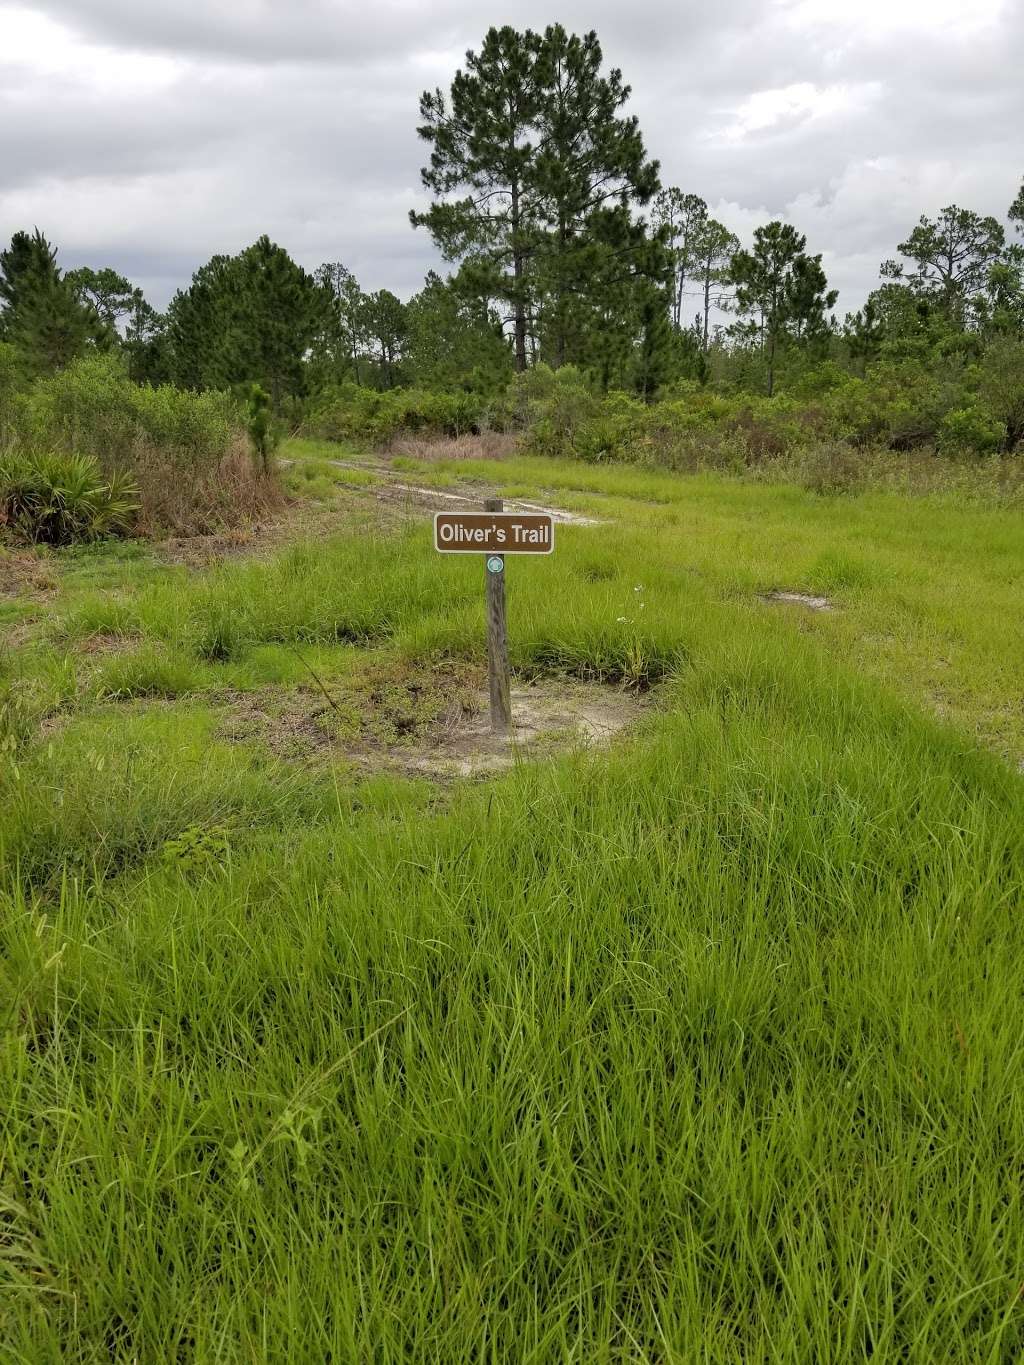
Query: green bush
{"x": 900, "y": 404}
{"x": 557, "y": 408}
{"x": 12, "y": 392}
{"x": 93, "y": 408}
{"x": 1001, "y": 386}
{"x": 351, "y": 412}
{"x": 56, "y": 499}
{"x": 971, "y": 430}
{"x": 186, "y": 452}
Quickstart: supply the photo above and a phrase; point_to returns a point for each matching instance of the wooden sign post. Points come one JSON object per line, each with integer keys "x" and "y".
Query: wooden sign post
{"x": 495, "y": 533}
{"x": 497, "y": 637}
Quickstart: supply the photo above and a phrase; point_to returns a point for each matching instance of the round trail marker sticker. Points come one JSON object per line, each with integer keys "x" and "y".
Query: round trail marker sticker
{"x": 495, "y": 564}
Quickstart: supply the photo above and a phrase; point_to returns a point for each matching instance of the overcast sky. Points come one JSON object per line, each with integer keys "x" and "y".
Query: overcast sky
{"x": 150, "y": 134}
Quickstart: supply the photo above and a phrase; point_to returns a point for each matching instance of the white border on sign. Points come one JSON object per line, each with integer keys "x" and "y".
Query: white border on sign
{"x": 494, "y": 550}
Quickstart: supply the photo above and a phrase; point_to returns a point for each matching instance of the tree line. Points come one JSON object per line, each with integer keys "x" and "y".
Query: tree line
{"x": 565, "y": 248}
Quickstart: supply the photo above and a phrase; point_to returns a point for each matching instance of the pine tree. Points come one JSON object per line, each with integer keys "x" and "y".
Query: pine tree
{"x": 387, "y": 324}
{"x": 684, "y": 219}
{"x": 43, "y": 315}
{"x": 145, "y": 341}
{"x": 28, "y": 255}
{"x": 202, "y": 341}
{"x": 481, "y": 144}
{"x": 654, "y": 347}
{"x": 953, "y": 254}
{"x": 782, "y": 289}
{"x": 109, "y": 293}
{"x": 1016, "y": 211}
{"x": 534, "y": 132}
{"x": 279, "y": 311}
{"x": 455, "y": 338}
{"x": 590, "y": 166}
{"x": 865, "y": 333}
{"x": 344, "y": 320}
{"x": 711, "y": 251}
{"x": 250, "y": 317}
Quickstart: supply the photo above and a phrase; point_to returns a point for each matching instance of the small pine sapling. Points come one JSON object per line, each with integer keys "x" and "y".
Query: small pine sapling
{"x": 260, "y": 425}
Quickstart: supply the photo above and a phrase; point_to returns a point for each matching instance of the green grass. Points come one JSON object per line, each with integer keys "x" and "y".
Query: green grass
{"x": 319, "y": 478}
{"x": 702, "y": 1048}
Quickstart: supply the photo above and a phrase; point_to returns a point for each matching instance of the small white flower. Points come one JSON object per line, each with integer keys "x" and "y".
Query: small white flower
{"x": 639, "y": 588}
{"x": 622, "y": 620}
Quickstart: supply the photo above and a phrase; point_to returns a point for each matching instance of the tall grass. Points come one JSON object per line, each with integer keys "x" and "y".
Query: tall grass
{"x": 702, "y": 1048}
{"x": 707, "y": 1050}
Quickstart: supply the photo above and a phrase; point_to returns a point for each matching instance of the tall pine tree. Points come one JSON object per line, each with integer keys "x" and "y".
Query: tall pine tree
{"x": 535, "y": 171}
{"x": 783, "y": 290}
{"x": 683, "y": 217}
{"x": 42, "y": 313}
{"x": 245, "y": 318}
{"x": 590, "y": 168}
{"x": 482, "y": 148}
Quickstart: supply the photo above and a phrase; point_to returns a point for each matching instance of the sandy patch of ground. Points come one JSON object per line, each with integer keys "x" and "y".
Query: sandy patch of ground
{"x": 436, "y": 497}
{"x": 549, "y": 717}
{"x": 434, "y": 723}
{"x": 800, "y": 599}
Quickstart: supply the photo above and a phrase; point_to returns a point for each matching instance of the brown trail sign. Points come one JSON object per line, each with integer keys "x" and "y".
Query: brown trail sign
{"x": 503, "y": 533}
{"x": 495, "y": 533}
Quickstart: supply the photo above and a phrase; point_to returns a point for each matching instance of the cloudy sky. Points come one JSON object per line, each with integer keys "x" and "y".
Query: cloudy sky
{"x": 149, "y": 134}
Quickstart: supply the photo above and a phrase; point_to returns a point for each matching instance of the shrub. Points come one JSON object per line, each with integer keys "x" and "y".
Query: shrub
{"x": 351, "y": 412}
{"x": 12, "y": 392}
{"x": 900, "y": 404}
{"x": 971, "y": 430}
{"x": 1001, "y": 386}
{"x": 555, "y": 406}
{"x": 62, "y": 499}
{"x": 186, "y": 452}
{"x": 93, "y": 408}
{"x": 832, "y": 468}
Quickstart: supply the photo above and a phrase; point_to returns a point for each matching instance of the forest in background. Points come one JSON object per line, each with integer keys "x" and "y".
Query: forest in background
{"x": 589, "y": 307}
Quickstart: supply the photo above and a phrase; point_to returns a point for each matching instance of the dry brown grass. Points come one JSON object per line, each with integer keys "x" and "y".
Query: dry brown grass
{"x": 489, "y": 445}
{"x": 24, "y": 573}
{"x": 202, "y": 501}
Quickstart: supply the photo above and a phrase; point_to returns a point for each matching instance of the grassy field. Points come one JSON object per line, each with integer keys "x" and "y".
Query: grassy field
{"x": 702, "y": 1047}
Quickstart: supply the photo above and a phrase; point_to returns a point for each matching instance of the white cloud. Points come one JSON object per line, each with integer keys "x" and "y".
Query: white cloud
{"x": 794, "y": 104}
{"x": 149, "y": 136}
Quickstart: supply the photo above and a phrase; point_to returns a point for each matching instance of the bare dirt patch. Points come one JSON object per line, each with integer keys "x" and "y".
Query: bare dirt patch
{"x": 800, "y": 599}
{"x": 199, "y": 552}
{"x": 106, "y": 642}
{"x": 433, "y": 722}
{"x": 548, "y": 718}
{"x": 444, "y": 498}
